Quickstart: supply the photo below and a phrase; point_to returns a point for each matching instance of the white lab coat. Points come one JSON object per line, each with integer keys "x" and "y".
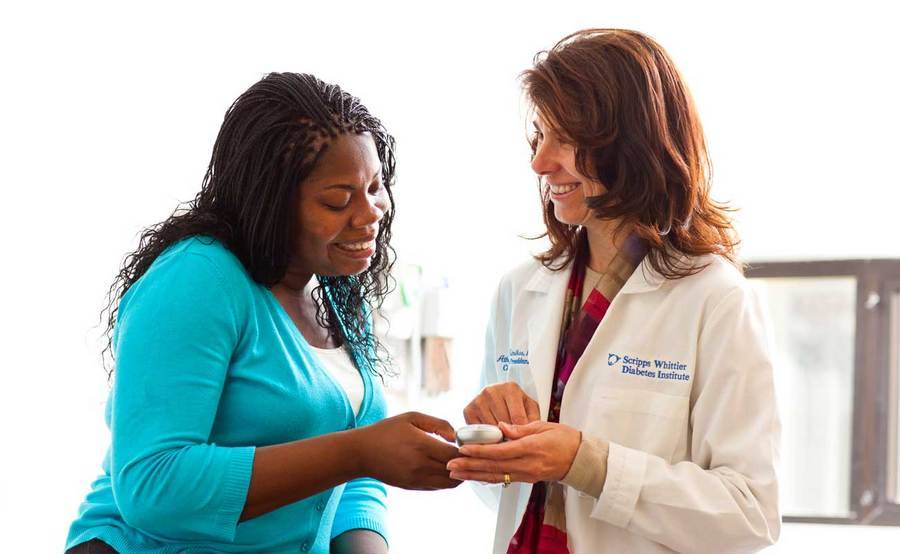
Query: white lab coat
{"x": 678, "y": 378}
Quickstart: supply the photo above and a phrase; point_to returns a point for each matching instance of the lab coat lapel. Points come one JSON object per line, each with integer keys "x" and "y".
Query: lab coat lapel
{"x": 643, "y": 279}
{"x": 543, "y": 332}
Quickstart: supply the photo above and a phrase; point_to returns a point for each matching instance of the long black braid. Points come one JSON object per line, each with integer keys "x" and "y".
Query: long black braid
{"x": 271, "y": 139}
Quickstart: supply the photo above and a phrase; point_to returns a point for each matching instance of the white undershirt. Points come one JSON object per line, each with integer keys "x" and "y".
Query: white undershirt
{"x": 338, "y": 363}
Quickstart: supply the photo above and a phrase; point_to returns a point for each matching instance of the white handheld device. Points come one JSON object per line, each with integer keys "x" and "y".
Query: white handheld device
{"x": 479, "y": 434}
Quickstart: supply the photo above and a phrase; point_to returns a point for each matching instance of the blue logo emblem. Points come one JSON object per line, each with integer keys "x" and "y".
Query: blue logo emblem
{"x": 613, "y": 359}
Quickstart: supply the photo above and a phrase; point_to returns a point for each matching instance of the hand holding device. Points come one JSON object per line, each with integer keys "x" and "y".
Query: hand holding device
{"x": 503, "y": 402}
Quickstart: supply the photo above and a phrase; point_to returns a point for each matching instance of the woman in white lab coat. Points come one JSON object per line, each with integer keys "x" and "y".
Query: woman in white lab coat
{"x": 627, "y": 365}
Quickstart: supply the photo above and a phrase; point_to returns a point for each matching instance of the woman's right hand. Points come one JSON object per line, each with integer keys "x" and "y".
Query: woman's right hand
{"x": 503, "y": 402}
{"x": 401, "y": 451}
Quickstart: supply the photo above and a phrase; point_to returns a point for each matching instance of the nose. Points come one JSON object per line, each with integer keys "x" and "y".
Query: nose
{"x": 545, "y": 160}
{"x": 370, "y": 212}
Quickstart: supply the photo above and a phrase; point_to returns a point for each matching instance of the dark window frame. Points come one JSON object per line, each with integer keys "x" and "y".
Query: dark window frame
{"x": 876, "y": 281}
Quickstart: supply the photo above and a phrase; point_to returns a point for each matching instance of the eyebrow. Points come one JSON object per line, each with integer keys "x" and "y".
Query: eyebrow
{"x": 349, "y": 187}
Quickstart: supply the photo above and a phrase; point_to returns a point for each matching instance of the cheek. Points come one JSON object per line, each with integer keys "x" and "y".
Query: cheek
{"x": 318, "y": 230}
{"x": 573, "y": 211}
{"x": 593, "y": 188}
{"x": 383, "y": 203}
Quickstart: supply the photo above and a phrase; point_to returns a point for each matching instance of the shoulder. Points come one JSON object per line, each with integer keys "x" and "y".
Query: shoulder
{"x": 717, "y": 280}
{"x": 517, "y": 287}
{"x": 527, "y": 274}
{"x": 200, "y": 258}
{"x": 194, "y": 270}
{"x": 203, "y": 250}
{"x": 715, "y": 272}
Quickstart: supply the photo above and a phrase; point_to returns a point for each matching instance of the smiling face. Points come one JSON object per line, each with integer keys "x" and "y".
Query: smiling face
{"x": 339, "y": 208}
{"x": 554, "y": 161}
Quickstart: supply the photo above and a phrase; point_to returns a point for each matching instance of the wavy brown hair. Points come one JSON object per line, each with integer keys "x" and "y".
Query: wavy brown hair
{"x": 617, "y": 96}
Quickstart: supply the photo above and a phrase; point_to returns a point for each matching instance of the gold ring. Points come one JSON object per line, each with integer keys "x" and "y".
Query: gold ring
{"x": 506, "y": 480}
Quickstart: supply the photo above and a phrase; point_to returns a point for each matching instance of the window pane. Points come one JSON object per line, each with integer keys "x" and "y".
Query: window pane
{"x": 893, "y": 484}
{"x": 814, "y": 322}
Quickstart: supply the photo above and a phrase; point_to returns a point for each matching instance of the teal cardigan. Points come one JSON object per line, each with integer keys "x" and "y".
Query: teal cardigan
{"x": 208, "y": 367}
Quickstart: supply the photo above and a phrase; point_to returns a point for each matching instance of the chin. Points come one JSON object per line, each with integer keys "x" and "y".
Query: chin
{"x": 354, "y": 269}
{"x": 569, "y": 217}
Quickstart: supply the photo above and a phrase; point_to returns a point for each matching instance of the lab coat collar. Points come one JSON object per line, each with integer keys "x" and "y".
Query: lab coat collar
{"x": 544, "y": 326}
{"x": 644, "y": 279}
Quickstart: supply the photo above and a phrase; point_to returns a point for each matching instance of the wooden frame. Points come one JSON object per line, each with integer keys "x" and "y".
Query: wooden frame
{"x": 875, "y": 397}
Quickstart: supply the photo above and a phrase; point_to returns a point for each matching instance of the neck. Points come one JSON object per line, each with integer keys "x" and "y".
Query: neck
{"x": 295, "y": 283}
{"x": 605, "y": 239}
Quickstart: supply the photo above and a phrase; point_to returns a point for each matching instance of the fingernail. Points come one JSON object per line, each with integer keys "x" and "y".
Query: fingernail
{"x": 464, "y": 451}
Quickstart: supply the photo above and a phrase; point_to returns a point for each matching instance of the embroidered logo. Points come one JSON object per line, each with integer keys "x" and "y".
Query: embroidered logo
{"x": 655, "y": 369}
{"x": 514, "y": 357}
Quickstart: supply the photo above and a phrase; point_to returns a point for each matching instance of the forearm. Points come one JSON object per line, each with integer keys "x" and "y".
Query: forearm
{"x": 286, "y": 473}
{"x": 673, "y": 504}
{"x": 359, "y": 541}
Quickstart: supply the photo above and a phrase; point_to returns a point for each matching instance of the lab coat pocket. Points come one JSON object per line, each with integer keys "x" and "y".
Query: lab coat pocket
{"x": 649, "y": 421}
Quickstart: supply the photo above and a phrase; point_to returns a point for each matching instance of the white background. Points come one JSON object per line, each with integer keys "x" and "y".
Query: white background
{"x": 108, "y": 113}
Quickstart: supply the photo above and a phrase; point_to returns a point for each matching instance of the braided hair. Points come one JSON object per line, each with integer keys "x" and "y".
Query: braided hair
{"x": 271, "y": 139}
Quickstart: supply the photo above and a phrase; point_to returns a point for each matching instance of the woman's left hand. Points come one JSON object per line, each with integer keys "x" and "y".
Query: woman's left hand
{"x": 539, "y": 451}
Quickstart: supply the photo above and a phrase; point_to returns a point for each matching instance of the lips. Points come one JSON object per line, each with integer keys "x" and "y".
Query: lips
{"x": 562, "y": 189}
{"x": 356, "y": 246}
{"x": 360, "y": 248}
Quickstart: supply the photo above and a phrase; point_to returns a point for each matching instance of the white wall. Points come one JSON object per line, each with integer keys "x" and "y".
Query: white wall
{"x": 108, "y": 112}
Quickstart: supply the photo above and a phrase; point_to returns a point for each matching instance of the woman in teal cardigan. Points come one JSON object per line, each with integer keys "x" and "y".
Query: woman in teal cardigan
{"x": 246, "y": 410}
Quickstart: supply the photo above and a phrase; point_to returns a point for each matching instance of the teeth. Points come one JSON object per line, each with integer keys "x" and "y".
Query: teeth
{"x": 357, "y": 245}
{"x": 563, "y": 189}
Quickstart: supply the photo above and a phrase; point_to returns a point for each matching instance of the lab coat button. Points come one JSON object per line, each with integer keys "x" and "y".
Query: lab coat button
{"x": 305, "y": 547}
{"x": 320, "y": 505}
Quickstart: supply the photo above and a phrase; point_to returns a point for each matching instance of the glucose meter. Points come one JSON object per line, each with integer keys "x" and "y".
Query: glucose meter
{"x": 479, "y": 434}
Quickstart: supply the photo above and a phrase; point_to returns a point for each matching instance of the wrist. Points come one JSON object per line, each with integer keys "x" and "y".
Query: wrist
{"x": 356, "y": 459}
{"x": 571, "y": 452}
{"x": 588, "y": 470}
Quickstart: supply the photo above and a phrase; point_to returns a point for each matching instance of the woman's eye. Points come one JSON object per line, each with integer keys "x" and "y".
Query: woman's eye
{"x": 375, "y": 188}
{"x": 336, "y": 203}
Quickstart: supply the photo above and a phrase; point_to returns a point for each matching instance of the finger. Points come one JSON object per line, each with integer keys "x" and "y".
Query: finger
{"x": 440, "y": 452}
{"x": 448, "y": 483}
{"x": 501, "y": 451}
{"x": 515, "y": 405}
{"x": 439, "y": 478}
{"x": 480, "y": 476}
{"x": 482, "y": 411}
{"x": 472, "y": 414}
{"x": 487, "y": 416}
{"x": 469, "y": 465}
{"x": 434, "y": 425}
{"x": 497, "y": 405}
{"x": 439, "y": 482}
{"x": 514, "y": 432}
{"x": 532, "y": 410}
{"x": 434, "y": 481}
